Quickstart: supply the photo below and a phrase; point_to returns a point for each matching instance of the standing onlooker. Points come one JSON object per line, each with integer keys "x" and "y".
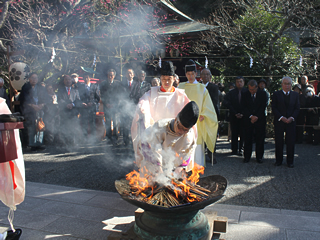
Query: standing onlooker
{"x": 32, "y": 101}
{"x": 69, "y": 105}
{"x": 3, "y": 93}
{"x": 139, "y": 87}
{"x": 234, "y": 101}
{"x": 262, "y": 84}
{"x": 304, "y": 82}
{"x": 225, "y": 106}
{"x": 254, "y": 105}
{"x": 301, "y": 119}
{"x": 285, "y": 108}
{"x": 176, "y": 80}
{"x": 90, "y": 96}
{"x": 312, "y": 116}
{"x": 155, "y": 82}
{"x": 110, "y": 91}
{"x": 51, "y": 117}
{"x": 76, "y": 84}
{"x": 126, "y": 104}
{"x": 213, "y": 90}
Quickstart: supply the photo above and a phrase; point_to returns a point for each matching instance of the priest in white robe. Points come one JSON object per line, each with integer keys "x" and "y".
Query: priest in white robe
{"x": 169, "y": 143}
{"x": 160, "y": 102}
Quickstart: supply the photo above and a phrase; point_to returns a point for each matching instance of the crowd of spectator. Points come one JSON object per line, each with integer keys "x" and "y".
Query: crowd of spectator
{"x": 69, "y": 111}
{"x": 295, "y": 109}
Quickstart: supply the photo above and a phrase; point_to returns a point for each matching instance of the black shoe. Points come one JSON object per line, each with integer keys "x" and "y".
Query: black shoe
{"x": 277, "y": 164}
{"x": 290, "y": 166}
{"x": 259, "y": 160}
{"x": 246, "y": 160}
{"x": 233, "y": 153}
{"x": 42, "y": 147}
{"x": 33, "y": 149}
{"x": 13, "y": 235}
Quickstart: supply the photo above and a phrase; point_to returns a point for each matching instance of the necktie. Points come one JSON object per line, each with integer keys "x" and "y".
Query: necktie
{"x": 68, "y": 91}
{"x": 239, "y": 95}
{"x": 253, "y": 97}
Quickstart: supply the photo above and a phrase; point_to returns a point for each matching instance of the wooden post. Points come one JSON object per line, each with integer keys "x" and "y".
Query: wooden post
{"x": 120, "y": 64}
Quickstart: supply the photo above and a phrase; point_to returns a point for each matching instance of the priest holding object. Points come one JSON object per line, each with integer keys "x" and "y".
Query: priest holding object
{"x": 207, "y": 124}
{"x": 169, "y": 143}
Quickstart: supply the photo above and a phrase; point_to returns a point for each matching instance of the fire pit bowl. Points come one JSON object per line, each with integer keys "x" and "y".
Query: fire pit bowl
{"x": 178, "y": 222}
{"x": 206, "y": 182}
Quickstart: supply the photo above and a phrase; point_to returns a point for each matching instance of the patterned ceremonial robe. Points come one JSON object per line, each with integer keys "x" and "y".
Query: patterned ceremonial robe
{"x": 207, "y": 129}
{"x": 153, "y": 106}
{"x": 160, "y": 146}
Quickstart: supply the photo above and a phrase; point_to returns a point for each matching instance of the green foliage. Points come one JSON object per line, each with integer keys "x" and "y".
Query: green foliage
{"x": 273, "y": 56}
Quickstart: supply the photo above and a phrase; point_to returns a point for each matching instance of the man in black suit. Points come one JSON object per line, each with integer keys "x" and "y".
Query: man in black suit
{"x": 233, "y": 100}
{"x": 285, "y": 108}
{"x": 127, "y": 105}
{"x": 90, "y": 96}
{"x": 254, "y": 105}
{"x": 111, "y": 90}
{"x": 213, "y": 90}
{"x": 32, "y": 101}
{"x": 69, "y": 104}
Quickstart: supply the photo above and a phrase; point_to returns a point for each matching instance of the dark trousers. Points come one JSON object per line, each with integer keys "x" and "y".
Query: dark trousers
{"x": 112, "y": 122}
{"x": 51, "y": 129}
{"x": 256, "y": 130}
{"x": 290, "y": 129}
{"x": 237, "y": 129}
{"x": 70, "y": 130}
{"x": 126, "y": 128}
{"x": 87, "y": 119}
{"x": 299, "y": 129}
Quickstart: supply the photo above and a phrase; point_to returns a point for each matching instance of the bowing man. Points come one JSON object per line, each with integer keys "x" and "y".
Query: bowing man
{"x": 169, "y": 143}
{"x": 254, "y": 105}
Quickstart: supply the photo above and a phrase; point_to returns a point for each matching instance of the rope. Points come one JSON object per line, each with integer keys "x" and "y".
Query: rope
{"x": 10, "y": 218}
{"x": 224, "y": 121}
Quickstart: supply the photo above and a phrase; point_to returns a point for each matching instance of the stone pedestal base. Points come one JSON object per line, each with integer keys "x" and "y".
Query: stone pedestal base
{"x": 140, "y": 230}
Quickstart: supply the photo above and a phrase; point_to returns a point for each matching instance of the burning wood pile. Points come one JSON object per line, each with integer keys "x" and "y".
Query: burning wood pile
{"x": 143, "y": 187}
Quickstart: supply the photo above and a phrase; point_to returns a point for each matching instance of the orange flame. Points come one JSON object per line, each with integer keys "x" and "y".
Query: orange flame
{"x": 141, "y": 180}
{"x": 194, "y": 177}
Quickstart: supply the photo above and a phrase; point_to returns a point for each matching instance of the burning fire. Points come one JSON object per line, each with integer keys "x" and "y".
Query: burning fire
{"x": 185, "y": 190}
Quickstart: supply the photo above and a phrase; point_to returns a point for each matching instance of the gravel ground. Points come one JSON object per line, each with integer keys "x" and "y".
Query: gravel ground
{"x": 249, "y": 184}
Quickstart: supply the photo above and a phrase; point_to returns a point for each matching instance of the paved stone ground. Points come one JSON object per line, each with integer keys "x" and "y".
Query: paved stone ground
{"x": 249, "y": 184}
